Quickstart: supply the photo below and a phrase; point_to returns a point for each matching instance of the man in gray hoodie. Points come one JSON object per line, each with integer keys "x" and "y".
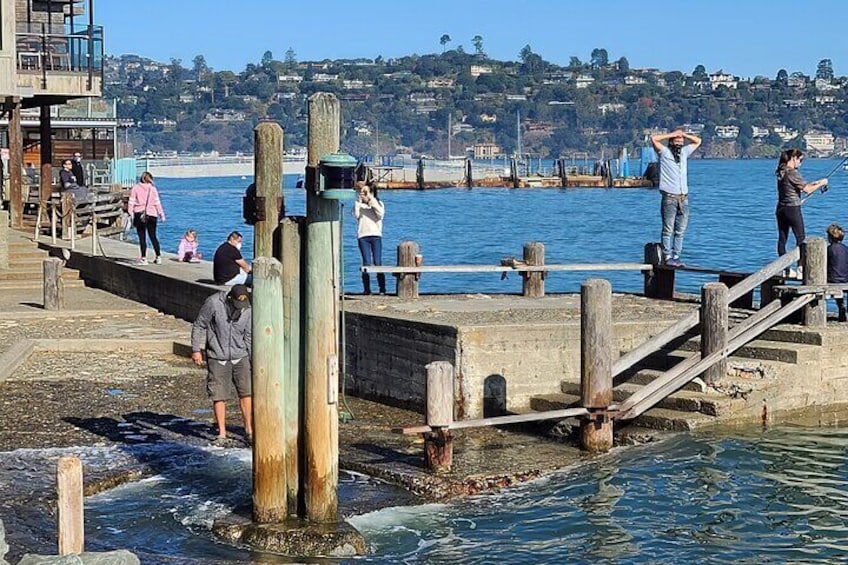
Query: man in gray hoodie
{"x": 223, "y": 327}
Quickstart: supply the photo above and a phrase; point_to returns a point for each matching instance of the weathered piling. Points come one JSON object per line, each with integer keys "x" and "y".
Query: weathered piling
{"x": 714, "y": 320}
{"x": 815, "y": 273}
{"x": 469, "y": 174}
{"x": 4, "y": 239}
{"x": 268, "y": 175}
{"x": 16, "y": 161}
{"x": 438, "y": 444}
{"x": 53, "y": 286}
{"x": 596, "y": 351}
{"x": 407, "y": 283}
{"x": 321, "y": 421}
{"x": 419, "y": 174}
{"x": 270, "y": 490}
{"x": 291, "y": 234}
{"x": 70, "y": 506}
{"x": 533, "y": 285}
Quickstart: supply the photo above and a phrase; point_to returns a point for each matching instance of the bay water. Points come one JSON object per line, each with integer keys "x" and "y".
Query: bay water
{"x": 748, "y": 496}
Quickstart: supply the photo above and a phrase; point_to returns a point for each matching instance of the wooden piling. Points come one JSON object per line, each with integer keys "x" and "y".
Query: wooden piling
{"x": 291, "y": 233}
{"x": 596, "y": 351}
{"x": 815, "y": 273}
{"x": 54, "y": 287}
{"x": 269, "y": 393}
{"x": 4, "y": 239}
{"x": 268, "y": 175}
{"x": 70, "y": 506}
{"x": 653, "y": 257}
{"x": 714, "y": 319}
{"x": 419, "y": 174}
{"x": 46, "y": 141}
{"x": 469, "y": 178}
{"x": 320, "y": 417}
{"x": 534, "y": 282}
{"x": 16, "y": 162}
{"x": 407, "y": 283}
{"x": 68, "y": 214}
{"x": 438, "y": 444}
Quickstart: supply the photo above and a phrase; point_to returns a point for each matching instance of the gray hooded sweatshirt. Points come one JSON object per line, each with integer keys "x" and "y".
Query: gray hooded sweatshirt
{"x": 225, "y": 331}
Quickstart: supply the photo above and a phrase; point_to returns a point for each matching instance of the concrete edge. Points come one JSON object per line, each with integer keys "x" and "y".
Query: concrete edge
{"x": 14, "y": 357}
{"x": 25, "y": 315}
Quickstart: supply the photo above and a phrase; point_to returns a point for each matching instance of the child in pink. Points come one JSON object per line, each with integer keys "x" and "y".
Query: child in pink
{"x": 187, "y": 252}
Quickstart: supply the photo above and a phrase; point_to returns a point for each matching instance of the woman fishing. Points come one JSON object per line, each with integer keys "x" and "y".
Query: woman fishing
{"x": 790, "y": 185}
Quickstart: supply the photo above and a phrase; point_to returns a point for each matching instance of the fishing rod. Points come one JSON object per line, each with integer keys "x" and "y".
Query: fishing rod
{"x": 827, "y": 176}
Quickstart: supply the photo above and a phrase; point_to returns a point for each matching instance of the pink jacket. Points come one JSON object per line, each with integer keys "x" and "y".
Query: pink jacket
{"x": 186, "y": 246}
{"x": 141, "y": 194}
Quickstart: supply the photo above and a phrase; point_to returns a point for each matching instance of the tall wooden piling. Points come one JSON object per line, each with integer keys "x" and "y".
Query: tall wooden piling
{"x": 596, "y": 352}
{"x": 270, "y": 490}
{"x": 321, "y": 420}
{"x": 53, "y": 286}
{"x": 714, "y": 319}
{"x": 4, "y": 239}
{"x": 534, "y": 282}
{"x": 438, "y": 444}
{"x": 291, "y": 233}
{"x": 469, "y": 174}
{"x": 70, "y": 506}
{"x": 16, "y": 162}
{"x": 407, "y": 283}
{"x": 268, "y": 175}
{"x": 815, "y": 273}
{"x": 419, "y": 174}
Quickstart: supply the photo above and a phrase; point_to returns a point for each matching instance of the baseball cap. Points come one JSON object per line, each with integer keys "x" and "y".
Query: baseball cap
{"x": 239, "y": 296}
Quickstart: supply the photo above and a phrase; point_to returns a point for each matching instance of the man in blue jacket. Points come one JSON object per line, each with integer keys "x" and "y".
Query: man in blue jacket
{"x": 224, "y": 329}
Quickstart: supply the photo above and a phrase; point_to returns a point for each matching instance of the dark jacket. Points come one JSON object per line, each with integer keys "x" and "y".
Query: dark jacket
{"x": 223, "y": 330}
{"x": 837, "y": 263}
{"x": 76, "y": 168}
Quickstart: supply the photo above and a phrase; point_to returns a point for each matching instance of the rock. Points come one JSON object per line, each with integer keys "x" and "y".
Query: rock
{"x": 295, "y": 538}
{"x": 4, "y": 547}
{"x": 120, "y": 557}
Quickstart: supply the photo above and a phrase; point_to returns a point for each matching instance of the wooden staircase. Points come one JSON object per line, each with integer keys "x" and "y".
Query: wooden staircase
{"x": 25, "y": 266}
{"x": 777, "y": 351}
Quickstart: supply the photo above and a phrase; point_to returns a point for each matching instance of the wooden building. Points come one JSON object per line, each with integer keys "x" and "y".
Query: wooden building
{"x": 50, "y": 52}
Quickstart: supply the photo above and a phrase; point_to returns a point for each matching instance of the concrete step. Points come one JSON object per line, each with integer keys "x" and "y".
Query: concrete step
{"x": 646, "y": 376}
{"x": 793, "y": 334}
{"x": 29, "y": 284}
{"x": 766, "y": 350}
{"x": 672, "y": 420}
{"x": 27, "y": 254}
{"x": 655, "y": 418}
{"x": 710, "y": 403}
{"x": 34, "y": 275}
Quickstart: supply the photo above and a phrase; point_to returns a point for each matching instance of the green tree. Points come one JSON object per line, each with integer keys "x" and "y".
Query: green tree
{"x": 623, "y": 64}
{"x": 200, "y": 67}
{"x": 575, "y": 63}
{"x": 291, "y": 59}
{"x": 599, "y": 58}
{"x": 444, "y": 40}
{"x": 824, "y": 70}
{"x": 267, "y": 57}
{"x": 477, "y": 41}
{"x": 700, "y": 73}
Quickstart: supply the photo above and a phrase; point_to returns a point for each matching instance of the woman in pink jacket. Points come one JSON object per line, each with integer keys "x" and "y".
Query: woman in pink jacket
{"x": 146, "y": 208}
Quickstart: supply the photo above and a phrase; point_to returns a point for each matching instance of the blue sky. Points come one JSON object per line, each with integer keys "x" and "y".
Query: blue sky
{"x": 745, "y": 37}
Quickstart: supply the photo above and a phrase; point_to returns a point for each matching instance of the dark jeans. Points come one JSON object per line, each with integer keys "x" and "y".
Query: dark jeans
{"x": 790, "y": 217}
{"x": 371, "y": 249}
{"x": 150, "y": 228}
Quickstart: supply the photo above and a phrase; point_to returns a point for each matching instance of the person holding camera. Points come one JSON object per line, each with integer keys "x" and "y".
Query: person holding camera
{"x": 369, "y": 212}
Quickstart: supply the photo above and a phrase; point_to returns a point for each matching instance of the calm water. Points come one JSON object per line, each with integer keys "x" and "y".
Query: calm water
{"x": 776, "y": 496}
{"x": 732, "y": 224}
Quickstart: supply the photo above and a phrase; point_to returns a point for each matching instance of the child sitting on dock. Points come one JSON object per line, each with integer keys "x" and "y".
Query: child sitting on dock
{"x": 837, "y": 263}
{"x": 187, "y": 251}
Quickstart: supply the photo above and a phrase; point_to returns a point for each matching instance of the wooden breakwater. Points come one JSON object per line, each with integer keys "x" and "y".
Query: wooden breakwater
{"x": 432, "y": 174}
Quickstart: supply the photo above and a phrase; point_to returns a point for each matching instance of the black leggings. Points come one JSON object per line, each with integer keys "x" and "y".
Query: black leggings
{"x": 790, "y": 217}
{"x": 150, "y": 228}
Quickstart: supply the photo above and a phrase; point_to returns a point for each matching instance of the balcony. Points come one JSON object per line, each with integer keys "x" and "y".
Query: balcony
{"x": 67, "y": 62}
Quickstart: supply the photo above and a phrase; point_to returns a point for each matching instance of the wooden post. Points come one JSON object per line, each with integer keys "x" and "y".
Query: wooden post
{"x": 438, "y": 444}
{"x": 291, "y": 234}
{"x": 469, "y": 179}
{"x": 653, "y": 257}
{"x": 534, "y": 282}
{"x": 269, "y": 393}
{"x": 54, "y": 288}
{"x": 815, "y": 273}
{"x": 70, "y": 506}
{"x": 407, "y": 283}
{"x": 268, "y": 175}
{"x": 4, "y": 239}
{"x": 714, "y": 320}
{"x": 68, "y": 204}
{"x": 513, "y": 172}
{"x": 320, "y": 416}
{"x": 16, "y": 160}
{"x": 53, "y": 219}
{"x": 46, "y": 140}
{"x": 767, "y": 291}
{"x": 93, "y": 231}
{"x": 596, "y": 351}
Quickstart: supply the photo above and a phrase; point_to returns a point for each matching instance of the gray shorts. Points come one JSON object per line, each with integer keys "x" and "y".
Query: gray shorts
{"x": 227, "y": 379}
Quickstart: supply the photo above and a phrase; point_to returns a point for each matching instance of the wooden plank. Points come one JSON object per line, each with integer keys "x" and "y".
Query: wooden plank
{"x": 70, "y": 506}
{"x": 596, "y": 350}
{"x": 504, "y": 269}
{"x": 687, "y": 370}
{"x": 501, "y": 420}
